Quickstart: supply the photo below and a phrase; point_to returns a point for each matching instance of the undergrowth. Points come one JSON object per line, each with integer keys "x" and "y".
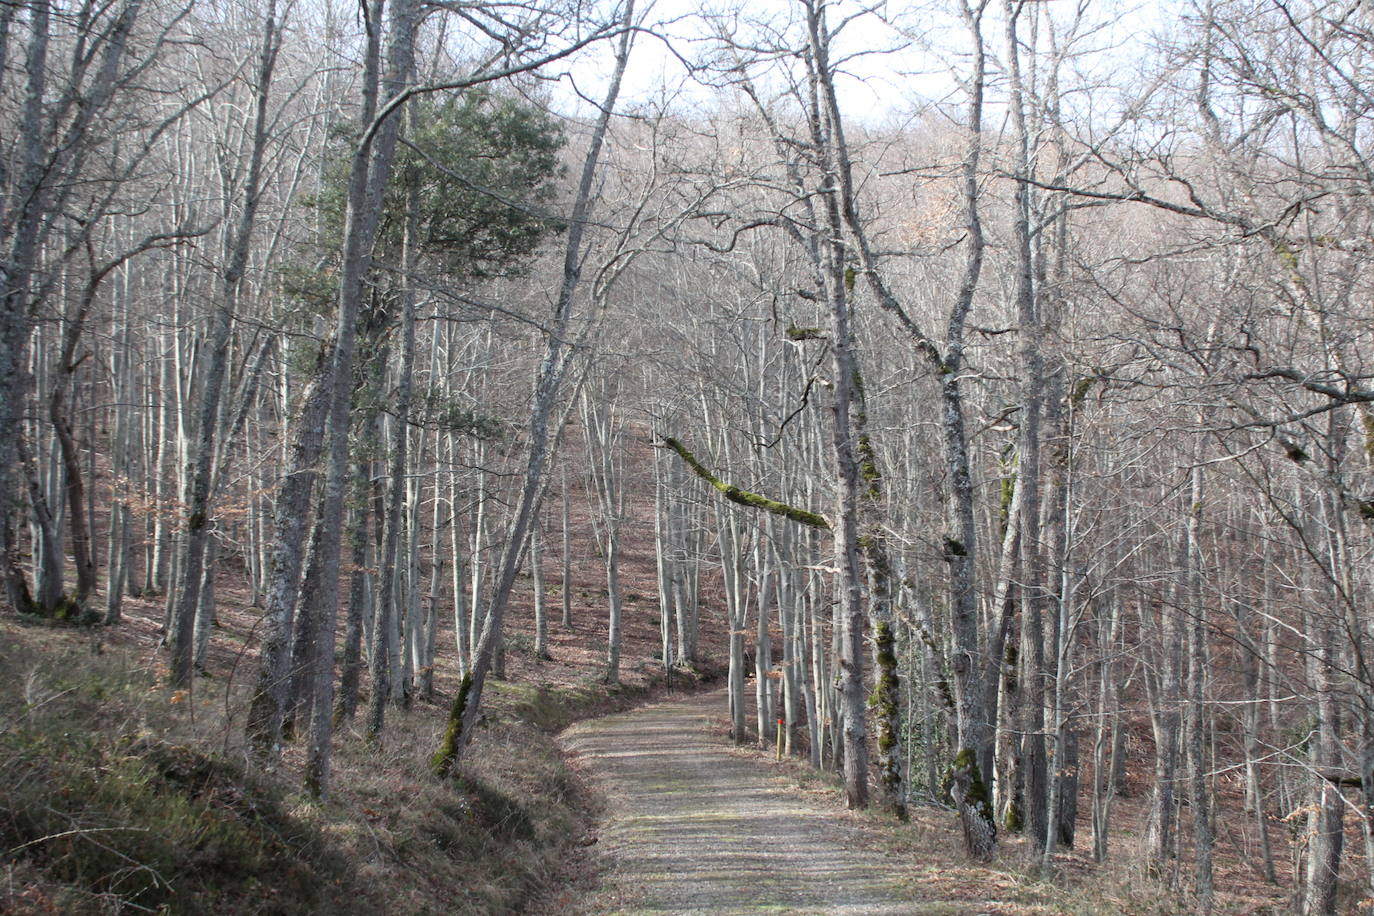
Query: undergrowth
{"x": 101, "y": 813}
{"x": 118, "y": 796}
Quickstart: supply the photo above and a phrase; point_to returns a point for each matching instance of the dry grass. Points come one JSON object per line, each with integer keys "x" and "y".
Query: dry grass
{"x": 106, "y": 755}
{"x": 391, "y": 839}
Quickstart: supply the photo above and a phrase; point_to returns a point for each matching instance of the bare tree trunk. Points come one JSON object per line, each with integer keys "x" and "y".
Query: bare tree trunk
{"x": 300, "y": 704}
{"x": 477, "y": 561}
{"x": 849, "y": 579}
{"x": 412, "y": 659}
{"x": 763, "y": 650}
{"x": 732, "y": 562}
{"x": 1366, "y": 762}
{"x": 821, "y": 718}
{"x": 1000, "y": 676}
{"x": 1197, "y": 722}
{"x": 198, "y": 473}
{"x": 371, "y": 170}
{"x": 663, "y": 567}
{"x": 567, "y": 548}
{"x": 679, "y": 526}
{"x": 1107, "y": 727}
{"x": 1250, "y": 661}
{"x": 614, "y": 618}
{"x": 1034, "y": 591}
{"x": 1167, "y": 719}
{"x": 975, "y": 730}
{"x": 205, "y": 611}
{"x": 267, "y": 709}
{"x": 47, "y": 545}
{"x": 1325, "y": 820}
{"x": 20, "y": 229}
{"x": 431, "y": 622}
{"x": 350, "y": 669}
{"x": 463, "y": 716}
{"x": 603, "y": 432}
{"x": 119, "y": 558}
{"x": 853, "y": 690}
{"x": 462, "y": 638}
{"x": 55, "y": 131}
{"x": 789, "y": 610}
{"x": 159, "y": 577}
{"x": 541, "y": 602}
{"x": 388, "y": 613}
{"x": 73, "y": 475}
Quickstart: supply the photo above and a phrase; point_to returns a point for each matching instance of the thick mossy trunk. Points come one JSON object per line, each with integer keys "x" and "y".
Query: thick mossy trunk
{"x": 887, "y": 709}
{"x": 68, "y": 609}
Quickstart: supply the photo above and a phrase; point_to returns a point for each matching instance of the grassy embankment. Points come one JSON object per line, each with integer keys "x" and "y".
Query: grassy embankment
{"x": 119, "y": 796}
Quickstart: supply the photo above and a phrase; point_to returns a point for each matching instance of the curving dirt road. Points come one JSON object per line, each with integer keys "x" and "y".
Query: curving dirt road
{"x": 695, "y": 826}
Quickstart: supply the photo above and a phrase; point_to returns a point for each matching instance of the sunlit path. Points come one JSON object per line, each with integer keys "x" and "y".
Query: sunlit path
{"x": 696, "y": 827}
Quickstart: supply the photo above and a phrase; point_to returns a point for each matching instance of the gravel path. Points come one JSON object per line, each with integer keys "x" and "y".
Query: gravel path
{"x": 695, "y": 826}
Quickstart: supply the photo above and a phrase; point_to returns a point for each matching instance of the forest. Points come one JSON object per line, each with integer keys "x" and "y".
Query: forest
{"x": 991, "y": 376}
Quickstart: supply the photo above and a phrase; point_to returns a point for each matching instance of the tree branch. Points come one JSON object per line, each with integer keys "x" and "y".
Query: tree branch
{"x": 745, "y": 497}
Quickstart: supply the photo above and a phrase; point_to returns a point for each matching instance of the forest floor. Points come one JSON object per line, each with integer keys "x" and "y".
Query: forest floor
{"x": 693, "y": 824}
{"x": 123, "y": 795}
{"x": 647, "y": 811}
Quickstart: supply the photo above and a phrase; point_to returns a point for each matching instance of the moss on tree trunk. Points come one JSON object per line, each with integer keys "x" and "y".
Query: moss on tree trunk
{"x": 442, "y": 761}
{"x": 745, "y": 497}
{"x": 971, "y": 796}
{"x": 885, "y": 704}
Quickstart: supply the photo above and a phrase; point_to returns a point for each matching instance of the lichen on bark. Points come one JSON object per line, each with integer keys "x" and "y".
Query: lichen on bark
{"x": 971, "y": 796}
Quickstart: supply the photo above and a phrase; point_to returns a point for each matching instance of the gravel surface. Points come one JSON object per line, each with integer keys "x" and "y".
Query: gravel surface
{"x": 696, "y": 826}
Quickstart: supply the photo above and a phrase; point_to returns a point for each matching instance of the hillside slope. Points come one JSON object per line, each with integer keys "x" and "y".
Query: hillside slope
{"x": 122, "y": 796}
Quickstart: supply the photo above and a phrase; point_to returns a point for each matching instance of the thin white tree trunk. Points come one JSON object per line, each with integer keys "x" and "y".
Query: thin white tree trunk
{"x": 198, "y": 472}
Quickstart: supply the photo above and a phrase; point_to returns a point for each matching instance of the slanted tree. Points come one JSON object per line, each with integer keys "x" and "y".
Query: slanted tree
{"x": 552, "y": 373}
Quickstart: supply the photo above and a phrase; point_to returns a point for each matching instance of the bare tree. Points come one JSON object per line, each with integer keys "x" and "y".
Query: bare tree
{"x": 552, "y": 371}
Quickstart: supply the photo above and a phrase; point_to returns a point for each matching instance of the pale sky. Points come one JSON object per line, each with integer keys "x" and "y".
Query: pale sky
{"x": 890, "y": 68}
